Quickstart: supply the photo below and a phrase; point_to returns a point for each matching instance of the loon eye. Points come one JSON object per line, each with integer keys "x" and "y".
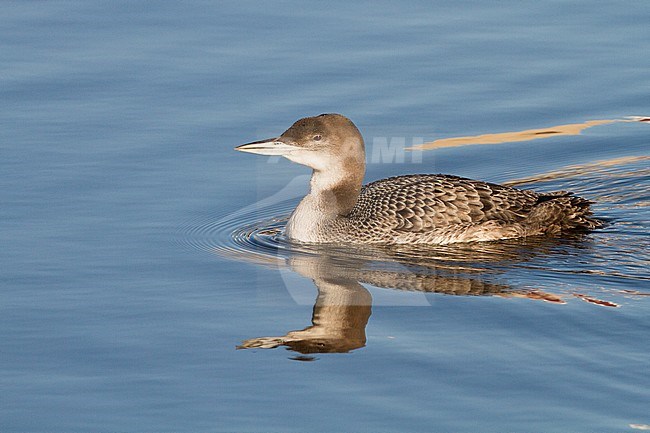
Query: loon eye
{"x": 318, "y": 137}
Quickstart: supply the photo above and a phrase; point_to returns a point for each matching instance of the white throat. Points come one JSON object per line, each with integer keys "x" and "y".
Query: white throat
{"x": 312, "y": 215}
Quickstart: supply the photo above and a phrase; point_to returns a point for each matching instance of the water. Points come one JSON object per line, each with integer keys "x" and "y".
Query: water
{"x": 139, "y": 250}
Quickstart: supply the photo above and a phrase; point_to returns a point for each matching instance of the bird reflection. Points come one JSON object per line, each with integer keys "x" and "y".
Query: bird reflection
{"x": 339, "y": 318}
{"x": 343, "y": 305}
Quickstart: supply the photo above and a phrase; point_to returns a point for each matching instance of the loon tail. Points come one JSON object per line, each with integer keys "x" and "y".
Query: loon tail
{"x": 561, "y": 211}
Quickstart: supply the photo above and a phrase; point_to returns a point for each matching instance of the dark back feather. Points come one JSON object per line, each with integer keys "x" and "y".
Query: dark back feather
{"x": 419, "y": 203}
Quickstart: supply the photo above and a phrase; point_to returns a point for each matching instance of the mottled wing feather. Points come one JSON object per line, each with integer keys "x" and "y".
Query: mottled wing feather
{"x": 419, "y": 203}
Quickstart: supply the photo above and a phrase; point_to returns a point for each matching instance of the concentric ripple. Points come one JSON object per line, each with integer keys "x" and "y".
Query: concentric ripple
{"x": 251, "y": 233}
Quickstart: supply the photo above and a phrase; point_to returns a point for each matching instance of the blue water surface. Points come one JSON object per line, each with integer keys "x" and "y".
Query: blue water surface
{"x": 126, "y": 287}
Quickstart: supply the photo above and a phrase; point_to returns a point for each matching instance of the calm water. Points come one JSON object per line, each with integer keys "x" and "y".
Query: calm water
{"x": 139, "y": 250}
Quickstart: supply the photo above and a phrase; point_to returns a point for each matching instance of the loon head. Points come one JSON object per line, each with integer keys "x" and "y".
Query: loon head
{"x": 324, "y": 143}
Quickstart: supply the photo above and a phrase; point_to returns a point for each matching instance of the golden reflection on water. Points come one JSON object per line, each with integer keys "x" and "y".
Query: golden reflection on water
{"x": 597, "y": 167}
{"x": 527, "y": 135}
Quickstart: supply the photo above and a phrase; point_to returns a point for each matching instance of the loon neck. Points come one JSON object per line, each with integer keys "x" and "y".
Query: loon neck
{"x": 336, "y": 190}
{"x": 332, "y": 196}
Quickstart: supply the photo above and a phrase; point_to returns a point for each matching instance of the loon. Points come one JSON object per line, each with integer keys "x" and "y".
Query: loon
{"x": 408, "y": 209}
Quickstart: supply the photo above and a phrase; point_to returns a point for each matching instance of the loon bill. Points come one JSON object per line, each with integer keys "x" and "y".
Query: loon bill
{"x": 409, "y": 209}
